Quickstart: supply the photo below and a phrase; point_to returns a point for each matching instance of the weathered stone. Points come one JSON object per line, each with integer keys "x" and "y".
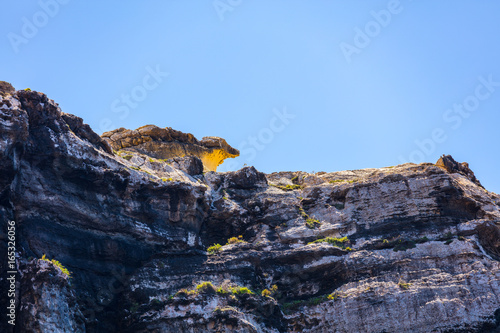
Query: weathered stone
{"x": 421, "y": 253}
{"x": 189, "y": 164}
{"x": 49, "y": 303}
{"x": 84, "y": 132}
{"x": 246, "y": 178}
{"x": 6, "y": 88}
{"x": 166, "y": 143}
{"x": 449, "y": 164}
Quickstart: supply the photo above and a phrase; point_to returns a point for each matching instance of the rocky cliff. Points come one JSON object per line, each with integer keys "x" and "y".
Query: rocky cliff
{"x": 137, "y": 243}
{"x": 167, "y": 143}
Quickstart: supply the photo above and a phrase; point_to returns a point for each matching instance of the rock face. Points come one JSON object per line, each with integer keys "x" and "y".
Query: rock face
{"x": 409, "y": 248}
{"x": 49, "y": 302}
{"x": 166, "y": 143}
{"x": 449, "y": 164}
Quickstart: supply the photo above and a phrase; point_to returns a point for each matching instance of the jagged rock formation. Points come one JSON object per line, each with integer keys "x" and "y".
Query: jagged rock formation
{"x": 449, "y": 164}
{"x": 420, "y": 254}
{"x": 166, "y": 143}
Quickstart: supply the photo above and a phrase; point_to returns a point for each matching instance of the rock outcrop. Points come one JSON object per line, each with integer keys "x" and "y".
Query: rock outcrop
{"x": 409, "y": 248}
{"x": 449, "y": 164}
{"x": 166, "y": 143}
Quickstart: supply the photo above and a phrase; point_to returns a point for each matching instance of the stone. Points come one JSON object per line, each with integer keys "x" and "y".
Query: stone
{"x": 246, "y": 178}
{"x": 6, "y": 88}
{"x": 410, "y": 248}
{"x": 166, "y": 143}
{"x": 42, "y": 282}
{"x": 449, "y": 164}
{"x": 189, "y": 164}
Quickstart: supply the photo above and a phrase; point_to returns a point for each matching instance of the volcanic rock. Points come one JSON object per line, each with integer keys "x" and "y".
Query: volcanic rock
{"x": 408, "y": 248}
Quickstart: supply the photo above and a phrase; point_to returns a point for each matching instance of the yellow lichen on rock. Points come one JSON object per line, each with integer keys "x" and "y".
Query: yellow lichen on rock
{"x": 215, "y": 158}
{"x": 166, "y": 143}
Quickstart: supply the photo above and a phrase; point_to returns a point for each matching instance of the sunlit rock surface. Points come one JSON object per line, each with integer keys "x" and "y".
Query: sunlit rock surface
{"x": 421, "y": 254}
{"x": 166, "y": 143}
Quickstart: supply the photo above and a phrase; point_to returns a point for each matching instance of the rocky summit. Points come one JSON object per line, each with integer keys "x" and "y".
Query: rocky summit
{"x": 134, "y": 231}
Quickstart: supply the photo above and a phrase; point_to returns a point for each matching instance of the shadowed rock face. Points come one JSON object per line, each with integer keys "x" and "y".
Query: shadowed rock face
{"x": 166, "y": 143}
{"x": 421, "y": 252}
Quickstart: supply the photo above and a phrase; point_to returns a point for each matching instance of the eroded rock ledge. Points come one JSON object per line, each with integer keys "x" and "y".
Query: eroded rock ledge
{"x": 167, "y": 143}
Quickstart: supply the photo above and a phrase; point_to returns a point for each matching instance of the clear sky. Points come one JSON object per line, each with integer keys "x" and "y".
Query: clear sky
{"x": 310, "y": 85}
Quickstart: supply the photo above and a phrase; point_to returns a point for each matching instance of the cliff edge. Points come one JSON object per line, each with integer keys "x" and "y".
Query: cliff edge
{"x": 128, "y": 241}
{"x": 167, "y": 143}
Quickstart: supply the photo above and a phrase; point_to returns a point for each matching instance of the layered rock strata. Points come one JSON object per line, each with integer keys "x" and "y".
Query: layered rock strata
{"x": 408, "y": 248}
{"x": 166, "y": 143}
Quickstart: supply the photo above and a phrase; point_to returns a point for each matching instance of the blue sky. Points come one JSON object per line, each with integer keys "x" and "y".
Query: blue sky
{"x": 311, "y": 85}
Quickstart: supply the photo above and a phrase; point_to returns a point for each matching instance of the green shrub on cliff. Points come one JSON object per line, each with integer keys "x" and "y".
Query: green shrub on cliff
{"x": 58, "y": 265}
{"x": 206, "y": 288}
{"x": 214, "y": 249}
{"x": 338, "y": 242}
{"x": 312, "y": 223}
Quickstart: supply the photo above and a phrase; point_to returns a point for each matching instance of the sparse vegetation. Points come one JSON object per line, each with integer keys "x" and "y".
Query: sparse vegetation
{"x": 235, "y": 240}
{"x": 422, "y": 240}
{"x": 58, "y": 265}
{"x": 287, "y": 187}
{"x": 266, "y": 293}
{"x": 127, "y": 157}
{"x": 403, "y": 285}
{"x": 403, "y": 245}
{"x": 448, "y": 238}
{"x": 214, "y": 249}
{"x": 295, "y": 305}
{"x": 240, "y": 290}
{"x": 303, "y": 213}
{"x": 224, "y": 309}
{"x": 333, "y": 296}
{"x": 338, "y": 242}
{"x": 270, "y": 292}
{"x": 184, "y": 292}
{"x": 312, "y": 223}
{"x": 27, "y": 89}
{"x": 333, "y": 181}
{"x": 206, "y": 288}
{"x": 399, "y": 244}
